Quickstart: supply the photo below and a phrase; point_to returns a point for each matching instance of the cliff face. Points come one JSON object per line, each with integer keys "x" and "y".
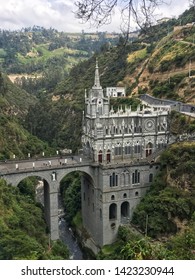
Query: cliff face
{"x": 169, "y": 64}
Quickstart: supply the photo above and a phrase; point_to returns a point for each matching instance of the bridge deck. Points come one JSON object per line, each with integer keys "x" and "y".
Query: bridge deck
{"x": 31, "y": 165}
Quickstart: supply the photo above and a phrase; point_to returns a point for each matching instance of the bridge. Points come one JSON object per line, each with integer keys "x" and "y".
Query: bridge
{"x": 187, "y": 109}
{"x": 94, "y": 177}
{"x": 51, "y": 171}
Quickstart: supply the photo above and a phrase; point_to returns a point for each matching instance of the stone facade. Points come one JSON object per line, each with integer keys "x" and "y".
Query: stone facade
{"x": 111, "y": 200}
{"x": 110, "y": 136}
{"x": 120, "y": 143}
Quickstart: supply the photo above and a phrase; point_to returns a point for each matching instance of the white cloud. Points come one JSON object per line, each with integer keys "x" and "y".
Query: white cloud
{"x": 58, "y": 14}
{"x": 173, "y": 8}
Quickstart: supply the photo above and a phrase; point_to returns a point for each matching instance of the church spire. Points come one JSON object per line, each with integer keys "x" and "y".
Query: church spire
{"x": 97, "y": 77}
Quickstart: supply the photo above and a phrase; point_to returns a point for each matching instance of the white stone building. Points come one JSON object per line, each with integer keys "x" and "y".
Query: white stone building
{"x": 115, "y": 92}
{"x": 109, "y": 136}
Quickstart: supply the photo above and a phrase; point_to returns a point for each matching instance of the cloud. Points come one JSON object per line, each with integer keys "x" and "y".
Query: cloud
{"x": 173, "y": 8}
{"x": 58, "y": 14}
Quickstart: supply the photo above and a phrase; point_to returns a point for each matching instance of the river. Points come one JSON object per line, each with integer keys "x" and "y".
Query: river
{"x": 67, "y": 236}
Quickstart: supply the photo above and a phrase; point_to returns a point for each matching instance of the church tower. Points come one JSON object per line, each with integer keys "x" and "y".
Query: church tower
{"x": 96, "y": 110}
{"x": 95, "y": 103}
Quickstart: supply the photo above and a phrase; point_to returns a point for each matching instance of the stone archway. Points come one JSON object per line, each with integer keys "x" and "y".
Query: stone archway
{"x": 89, "y": 211}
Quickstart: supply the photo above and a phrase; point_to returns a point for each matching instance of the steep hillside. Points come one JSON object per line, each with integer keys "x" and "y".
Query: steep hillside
{"x": 174, "y": 189}
{"x": 13, "y": 100}
{"x": 14, "y": 139}
{"x": 169, "y": 71}
{"x": 164, "y": 68}
{"x": 37, "y": 58}
{"x": 23, "y": 231}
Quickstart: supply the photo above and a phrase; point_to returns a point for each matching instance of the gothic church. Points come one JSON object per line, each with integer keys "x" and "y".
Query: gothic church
{"x": 120, "y": 144}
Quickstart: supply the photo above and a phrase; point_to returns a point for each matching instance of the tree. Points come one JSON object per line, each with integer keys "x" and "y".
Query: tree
{"x": 100, "y": 12}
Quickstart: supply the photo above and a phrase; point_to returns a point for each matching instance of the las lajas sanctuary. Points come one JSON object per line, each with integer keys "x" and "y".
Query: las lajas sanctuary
{"x": 120, "y": 144}
{"x": 118, "y": 164}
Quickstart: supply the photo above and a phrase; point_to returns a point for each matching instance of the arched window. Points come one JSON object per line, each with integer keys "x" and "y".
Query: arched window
{"x": 108, "y": 155}
{"x": 124, "y": 195}
{"x": 100, "y": 156}
{"x": 148, "y": 149}
{"x": 113, "y": 211}
{"x": 112, "y": 197}
{"x": 137, "y": 148}
{"x": 118, "y": 150}
{"x": 113, "y": 180}
{"x": 136, "y": 177}
{"x": 127, "y": 150}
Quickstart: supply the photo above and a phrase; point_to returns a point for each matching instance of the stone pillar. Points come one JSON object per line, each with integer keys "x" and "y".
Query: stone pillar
{"x": 53, "y": 211}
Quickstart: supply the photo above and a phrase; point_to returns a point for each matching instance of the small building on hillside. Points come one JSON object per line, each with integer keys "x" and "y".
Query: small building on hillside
{"x": 115, "y": 92}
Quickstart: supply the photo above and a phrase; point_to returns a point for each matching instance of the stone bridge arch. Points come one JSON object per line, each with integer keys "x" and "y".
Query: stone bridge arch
{"x": 52, "y": 178}
{"x": 50, "y": 196}
{"x": 89, "y": 197}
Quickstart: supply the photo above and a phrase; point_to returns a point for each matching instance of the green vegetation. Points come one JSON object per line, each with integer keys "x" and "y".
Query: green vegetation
{"x": 15, "y": 140}
{"x": 168, "y": 88}
{"x": 58, "y": 123}
{"x": 180, "y": 123}
{"x": 70, "y": 188}
{"x": 124, "y": 102}
{"x": 171, "y": 53}
{"x": 171, "y": 196}
{"x": 46, "y": 55}
{"x": 23, "y": 229}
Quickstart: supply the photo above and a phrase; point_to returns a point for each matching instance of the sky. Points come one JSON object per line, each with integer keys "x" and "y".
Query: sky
{"x": 58, "y": 14}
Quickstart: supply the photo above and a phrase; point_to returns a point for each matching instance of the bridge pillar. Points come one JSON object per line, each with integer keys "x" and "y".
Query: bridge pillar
{"x": 51, "y": 190}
